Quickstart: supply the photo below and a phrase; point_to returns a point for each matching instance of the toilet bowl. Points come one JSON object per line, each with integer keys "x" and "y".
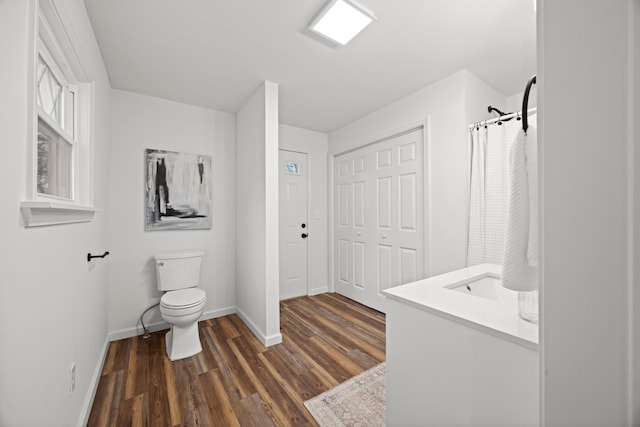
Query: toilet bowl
{"x": 183, "y": 303}
{"x": 184, "y": 306}
{"x": 182, "y": 309}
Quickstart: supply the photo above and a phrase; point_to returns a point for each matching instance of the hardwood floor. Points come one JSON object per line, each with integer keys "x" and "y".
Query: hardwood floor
{"x": 235, "y": 381}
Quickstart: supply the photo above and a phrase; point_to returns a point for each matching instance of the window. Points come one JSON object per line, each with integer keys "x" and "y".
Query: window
{"x": 292, "y": 168}
{"x": 55, "y": 168}
{"x": 61, "y": 151}
{"x": 55, "y": 143}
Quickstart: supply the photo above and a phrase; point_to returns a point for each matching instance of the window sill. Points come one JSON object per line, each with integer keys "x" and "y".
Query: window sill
{"x": 37, "y": 214}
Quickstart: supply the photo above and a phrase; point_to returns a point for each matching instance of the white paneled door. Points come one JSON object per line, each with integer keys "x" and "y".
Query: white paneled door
{"x": 379, "y": 221}
{"x": 293, "y": 223}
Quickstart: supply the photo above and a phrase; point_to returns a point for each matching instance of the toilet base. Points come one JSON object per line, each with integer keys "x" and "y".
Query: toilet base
{"x": 182, "y": 341}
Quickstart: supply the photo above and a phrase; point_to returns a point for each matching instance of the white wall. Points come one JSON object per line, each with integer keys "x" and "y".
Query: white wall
{"x": 141, "y": 122}
{"x": 53, "y": 304}
{"x": 587, "y": 212}
{"x": 272, "y": 222}
{"x": 315, "y": 144}
{"x": 257, "y": 287}
{"x": 633, "y": 283}
{"x": 450, "y": 105}
{"x": 479, "y": 96}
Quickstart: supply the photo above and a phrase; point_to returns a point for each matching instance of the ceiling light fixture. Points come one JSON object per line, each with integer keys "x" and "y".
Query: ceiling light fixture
{"x": 340, "y": 21}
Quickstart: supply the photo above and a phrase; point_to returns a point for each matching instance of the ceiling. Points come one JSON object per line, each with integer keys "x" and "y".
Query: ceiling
{"x": 216, "y": 53}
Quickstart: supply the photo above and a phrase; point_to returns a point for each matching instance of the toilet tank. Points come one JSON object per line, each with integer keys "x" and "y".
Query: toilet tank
{"x": 178, "y": 269}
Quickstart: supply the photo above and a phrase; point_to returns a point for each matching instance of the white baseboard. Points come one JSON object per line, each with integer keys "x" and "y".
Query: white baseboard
{"x": 212, "y": 314}
{"x": 266, "y": 340}
{"x": 159, "y": 326}
{"x": 319, "y": 290}
{"x": 273, "y": 339}
{"x": 85, "y": 411}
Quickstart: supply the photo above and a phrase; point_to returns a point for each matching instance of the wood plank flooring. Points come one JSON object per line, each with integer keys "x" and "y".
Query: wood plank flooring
{"x": 235, "y": 381}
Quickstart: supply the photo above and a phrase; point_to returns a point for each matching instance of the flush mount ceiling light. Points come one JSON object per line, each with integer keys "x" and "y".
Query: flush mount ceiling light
{"x": 340, "y": 21}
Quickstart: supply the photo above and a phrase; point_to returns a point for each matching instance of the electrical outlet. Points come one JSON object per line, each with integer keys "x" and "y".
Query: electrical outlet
{"x": 72, "y": 378}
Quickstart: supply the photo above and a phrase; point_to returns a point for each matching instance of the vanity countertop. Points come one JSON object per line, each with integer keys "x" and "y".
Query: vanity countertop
{"x": 496, "y": 318}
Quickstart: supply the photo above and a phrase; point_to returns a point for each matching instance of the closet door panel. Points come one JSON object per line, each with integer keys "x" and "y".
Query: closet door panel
{"x": 343, "y": 261}
{"x": 379, "y": 226}
{"x": 343, "y": 205}
{"x": 385, "y": 267}
{"x": 383, "y": 202}
{"x": 359, "y": 264}
{"x": 358, "y": 204}
{"x": 408, "y": 265}
{"x": 408, "y": 202}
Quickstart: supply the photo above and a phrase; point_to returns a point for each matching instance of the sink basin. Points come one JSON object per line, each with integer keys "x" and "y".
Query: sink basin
{"x": 472, "y": 296}
{"x": 487, "y": 286}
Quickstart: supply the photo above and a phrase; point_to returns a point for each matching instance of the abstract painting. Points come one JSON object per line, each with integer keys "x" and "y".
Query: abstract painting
{"x": 178, "y": 191}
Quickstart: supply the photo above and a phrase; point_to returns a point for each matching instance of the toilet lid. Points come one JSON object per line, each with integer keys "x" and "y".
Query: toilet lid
{"x": 183, "y": 298}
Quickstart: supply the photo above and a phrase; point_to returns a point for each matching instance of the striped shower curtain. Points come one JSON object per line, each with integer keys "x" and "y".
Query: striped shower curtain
{"x": 489, "y": 190}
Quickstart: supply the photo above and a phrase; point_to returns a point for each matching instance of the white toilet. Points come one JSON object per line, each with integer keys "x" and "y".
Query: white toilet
{"x": 183, "y": 302}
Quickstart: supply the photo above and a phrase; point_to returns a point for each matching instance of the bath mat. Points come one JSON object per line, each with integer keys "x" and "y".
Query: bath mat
{"x": 359, "y": 401}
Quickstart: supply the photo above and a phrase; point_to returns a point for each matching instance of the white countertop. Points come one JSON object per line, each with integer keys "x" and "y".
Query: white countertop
{"x": 496, "y": 318}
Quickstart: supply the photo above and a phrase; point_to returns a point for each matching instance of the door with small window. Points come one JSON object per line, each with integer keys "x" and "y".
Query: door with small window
{"x": 294, "y": 230}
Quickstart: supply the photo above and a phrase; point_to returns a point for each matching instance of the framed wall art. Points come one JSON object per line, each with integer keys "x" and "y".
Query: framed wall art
{"x": 177, "y": 190}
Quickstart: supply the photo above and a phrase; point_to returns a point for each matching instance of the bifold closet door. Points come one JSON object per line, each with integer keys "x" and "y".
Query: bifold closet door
{"x": 379, "y": 217}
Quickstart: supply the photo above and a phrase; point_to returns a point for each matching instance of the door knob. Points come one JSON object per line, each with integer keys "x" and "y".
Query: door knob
{"x": 304, "y": 235}
{"x": 304, "y": 225}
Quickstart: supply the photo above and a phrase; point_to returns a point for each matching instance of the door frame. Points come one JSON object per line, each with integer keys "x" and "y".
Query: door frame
{"x": 308, "y": 209}
{"x": 426, "y": 138}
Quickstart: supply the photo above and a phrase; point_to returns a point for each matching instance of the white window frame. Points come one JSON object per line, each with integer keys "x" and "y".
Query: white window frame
{"x": 54, "y": 42}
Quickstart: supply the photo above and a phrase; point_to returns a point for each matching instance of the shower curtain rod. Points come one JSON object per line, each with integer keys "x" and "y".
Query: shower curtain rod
{"x": 525, "y": 102}
{"x": 502, "y": 118}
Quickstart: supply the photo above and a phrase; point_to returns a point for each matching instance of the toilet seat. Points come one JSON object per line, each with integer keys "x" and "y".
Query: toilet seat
{"x": 183, "y": 298}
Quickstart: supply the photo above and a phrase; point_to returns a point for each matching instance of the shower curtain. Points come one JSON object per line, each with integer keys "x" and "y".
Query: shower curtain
{"x": 489, "y": 190}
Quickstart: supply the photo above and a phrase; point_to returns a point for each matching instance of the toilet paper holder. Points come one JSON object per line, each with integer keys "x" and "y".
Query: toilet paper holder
{"x": 90, "y": 257}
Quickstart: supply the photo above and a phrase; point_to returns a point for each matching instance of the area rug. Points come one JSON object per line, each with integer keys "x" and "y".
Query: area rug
{"x": 357, "y": 402}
